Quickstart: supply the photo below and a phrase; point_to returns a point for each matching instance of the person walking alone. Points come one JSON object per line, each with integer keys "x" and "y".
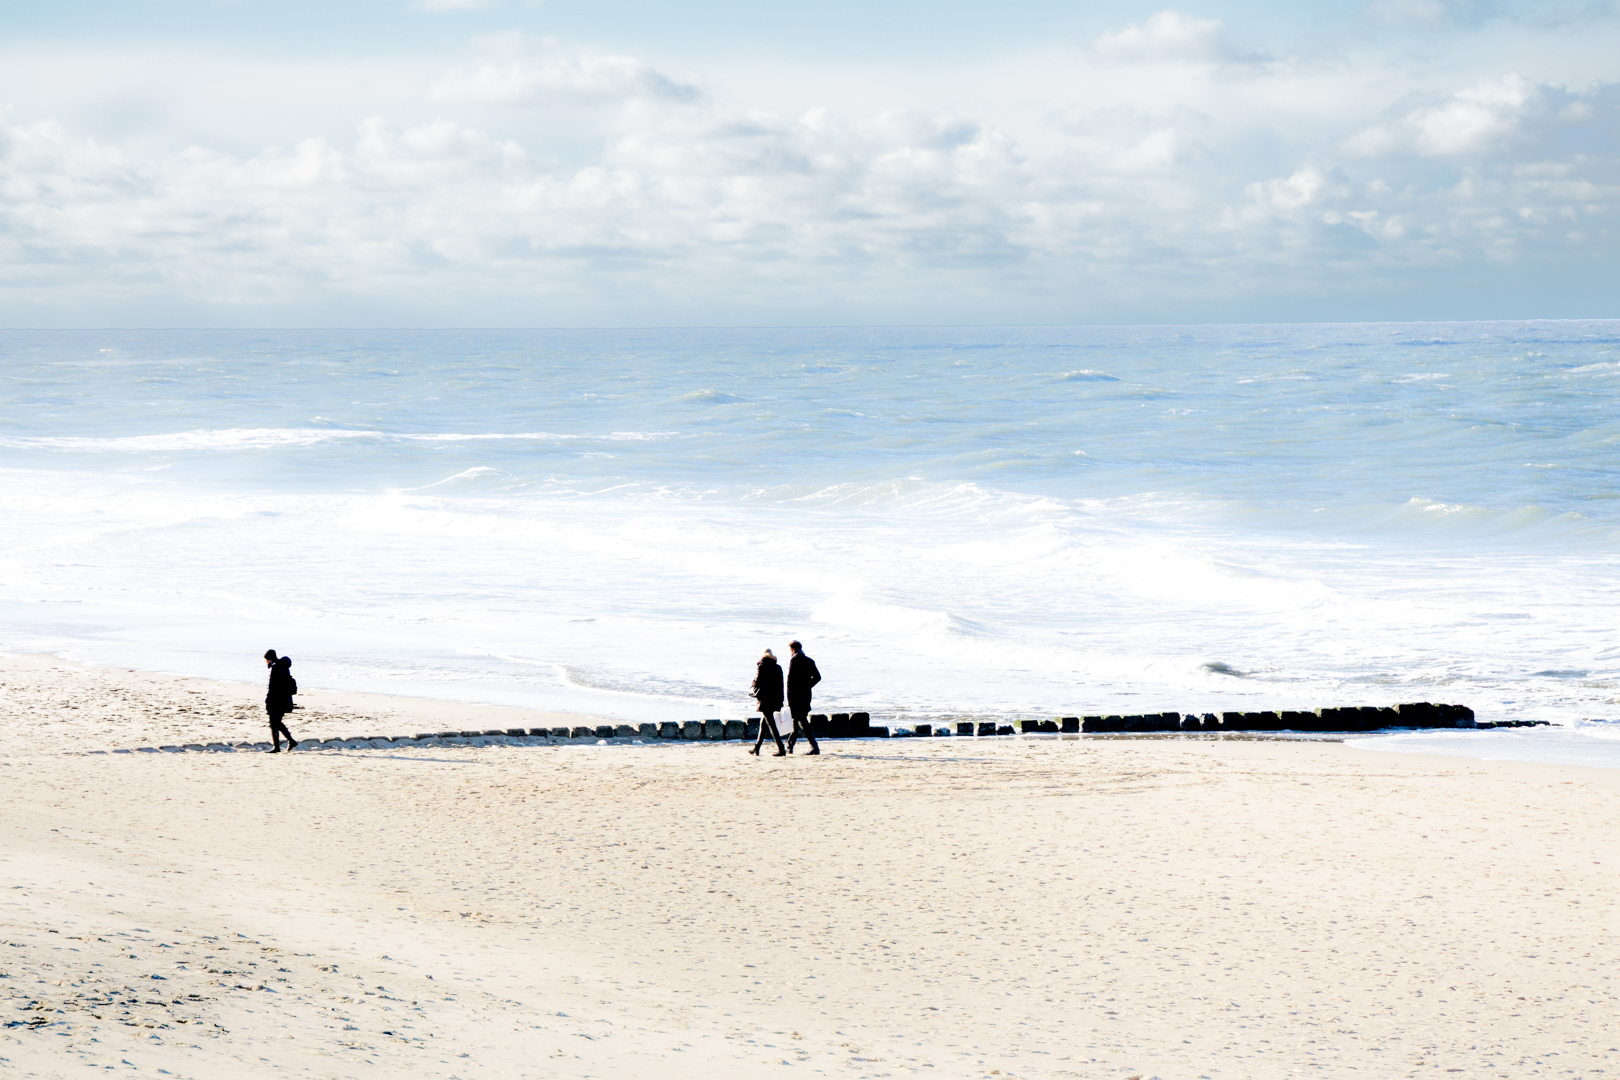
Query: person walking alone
{"x": 278, "y": 700}
{"x": 768, "y": 693}
{"x": 802, "y": 675}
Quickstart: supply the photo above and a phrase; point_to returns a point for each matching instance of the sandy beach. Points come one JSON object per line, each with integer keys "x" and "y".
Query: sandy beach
{"x": 1100, "y": 907}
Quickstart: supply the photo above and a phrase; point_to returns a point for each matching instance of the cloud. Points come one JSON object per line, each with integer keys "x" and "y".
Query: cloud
{"x": 1290, "y": 193}
{"x": 1167, "y": 35}
{"x": 455, "y": 5}
{"x": 521, "y": 73}
{"x": 1086, "y": 191}
{"x": 1425, "y": 13}
{"x": 1470, "y": 121}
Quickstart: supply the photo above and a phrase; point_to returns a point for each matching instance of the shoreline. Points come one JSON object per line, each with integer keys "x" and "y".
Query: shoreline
{"x": 91, "y": 708}
{"x": 1030, "y": 909}
{"x": 50, "y": 702}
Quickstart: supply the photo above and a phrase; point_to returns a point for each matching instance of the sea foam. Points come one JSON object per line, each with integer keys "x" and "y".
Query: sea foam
{"x": 1005, "y": 522}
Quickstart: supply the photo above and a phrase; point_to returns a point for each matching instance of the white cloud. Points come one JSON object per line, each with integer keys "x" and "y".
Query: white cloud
{"x": 519, "y": 72}
{"x": 1470, "y": 121}
{"x": 528, "y": 181}
{"x": 1290, "y": 193}
{"x": 1409, "y": 12}
{"x": 1167, "y": 35}
{"x": 1424, "y": 13}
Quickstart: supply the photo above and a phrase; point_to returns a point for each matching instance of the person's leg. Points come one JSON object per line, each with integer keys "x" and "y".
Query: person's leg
{"x": 799, "y": 720}
{"x": 767, "y": 722}
{"x": 810, "y": 734}
{"x": 764, "y": 718}
{"x": 277, "y": 729}
{"x": 775, "y": 734}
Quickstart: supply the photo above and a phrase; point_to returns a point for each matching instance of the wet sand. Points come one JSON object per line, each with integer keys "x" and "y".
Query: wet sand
{"x": 945, "y": 907}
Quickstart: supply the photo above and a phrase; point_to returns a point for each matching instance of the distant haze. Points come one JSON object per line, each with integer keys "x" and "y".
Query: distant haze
{"x": 488, "y": 163}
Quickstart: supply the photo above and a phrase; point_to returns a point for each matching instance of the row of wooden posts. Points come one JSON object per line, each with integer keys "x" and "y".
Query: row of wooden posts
{"x": 858, "y": 725}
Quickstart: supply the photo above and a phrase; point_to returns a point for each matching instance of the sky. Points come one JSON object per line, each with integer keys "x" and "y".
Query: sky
{"x": 616, "y": 163}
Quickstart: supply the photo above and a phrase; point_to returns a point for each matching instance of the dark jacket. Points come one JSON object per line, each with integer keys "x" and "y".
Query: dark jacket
{"x": 279, "y": 699}
{"x": 802, "y": 675}
{"x": 767, "y": 688}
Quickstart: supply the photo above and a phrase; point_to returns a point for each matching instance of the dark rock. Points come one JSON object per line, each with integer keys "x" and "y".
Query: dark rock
{"x": 470, "y": 734}
{"x": 1113, "y": 723}
{"x": 751, "y": 729}
{"x": 1028, "y": 727}
{"x": 692, "y": 731}
{"x": 1191, "y": 723}
{"x": 964, "y": 728}
{"x": 580, "y": 733}
{"x": 1049, "y": 727}
{"x": 820, "y": 725}
{"x": 495, "y": 734}
{"x": 923, "y": 729}
{"x": 669, "y": 729}
{"x": 1232, "y": 721}
{"x": 1004, "y": 729}
{"x": 1418, "y": 714}
{"x": 623, "y": 731}
{"x": 1134, "y": 722}
{"x": 1092, "y": 723}
{"x": 647, "y": 731}
{"x": 559, "y": 733}
{"x": 714, "y": 730}
{"x": 1270, "y": 721}
{"x": 1070, "y": 724}
{"x": 878, "y": 733}
{"x": 517, "y": 732}
{"x": 604, "y": 731}
{"x": 539, "y": 732}
{"x": 987, "y": 728}
{"x": 736, "y": 729}
{"x": 1461, "y": 716}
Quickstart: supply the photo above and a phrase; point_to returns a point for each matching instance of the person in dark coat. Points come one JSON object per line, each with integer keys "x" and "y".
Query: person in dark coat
{"x": 278, "y": 700}
{"x": 802, "y": 675}
{"x": 768, "y": 693}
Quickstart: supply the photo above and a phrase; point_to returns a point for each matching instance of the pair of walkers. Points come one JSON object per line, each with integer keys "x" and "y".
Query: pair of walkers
{"x": 802, "y": 675}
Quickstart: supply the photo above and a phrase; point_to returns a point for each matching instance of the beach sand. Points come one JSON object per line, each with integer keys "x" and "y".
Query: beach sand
{"x": 1170, "y": 907}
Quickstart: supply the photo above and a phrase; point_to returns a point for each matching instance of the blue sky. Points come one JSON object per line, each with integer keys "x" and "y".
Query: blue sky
{"x": 480, "y": 162}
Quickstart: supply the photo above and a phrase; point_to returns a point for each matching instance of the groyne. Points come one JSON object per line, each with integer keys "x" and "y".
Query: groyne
{"x": 858, "y": 725}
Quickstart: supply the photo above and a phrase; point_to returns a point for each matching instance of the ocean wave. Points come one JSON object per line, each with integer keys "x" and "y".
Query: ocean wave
{"x": 271, "y": 438}
{"x": 1599, "y": 729}
{"x": 710, "y": 397}
{"x": 1085, "y": 375}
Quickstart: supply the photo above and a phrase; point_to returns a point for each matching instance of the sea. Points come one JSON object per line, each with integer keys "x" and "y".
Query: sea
{"x": 957, "y": 522}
